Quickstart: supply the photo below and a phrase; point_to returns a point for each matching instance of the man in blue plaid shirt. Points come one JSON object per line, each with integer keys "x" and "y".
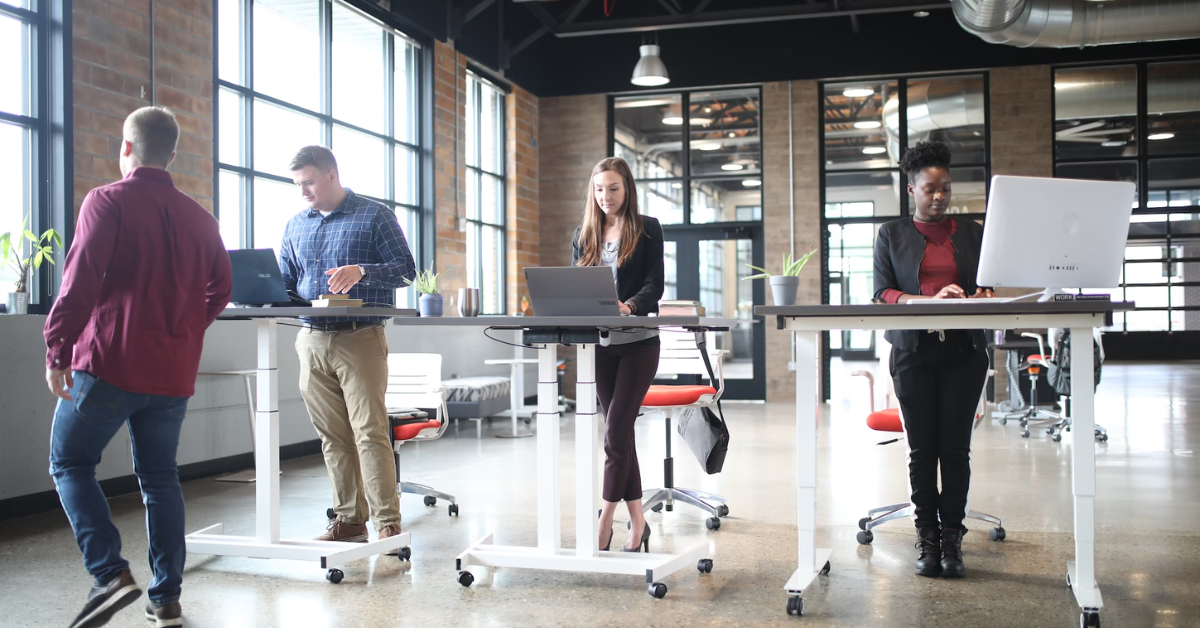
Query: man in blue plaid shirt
{"x": 346, "y": 244}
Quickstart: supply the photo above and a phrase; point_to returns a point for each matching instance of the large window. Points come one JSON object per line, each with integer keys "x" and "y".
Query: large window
{"x": 697, "y": 156}
{"x": 866, "y": 127}
{"x": 20, "y": 124}
{"x": 298, "y": 72}
{"x": 485, "y": 192}
{"x": 1141, "y": 123}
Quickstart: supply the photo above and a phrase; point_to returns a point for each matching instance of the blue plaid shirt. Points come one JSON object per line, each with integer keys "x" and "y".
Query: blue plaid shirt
{"x": 359, "y": 231}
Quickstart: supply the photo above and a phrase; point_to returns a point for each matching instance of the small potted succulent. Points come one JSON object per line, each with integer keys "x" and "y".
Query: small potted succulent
{"x": 785, "y": 285}
{"x": 41, "y": 249}
{"x": 430, "y": 303}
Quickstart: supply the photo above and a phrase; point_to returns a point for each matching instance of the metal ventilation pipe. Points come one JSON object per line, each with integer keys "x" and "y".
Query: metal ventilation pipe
{"x": 1070, "y": 23}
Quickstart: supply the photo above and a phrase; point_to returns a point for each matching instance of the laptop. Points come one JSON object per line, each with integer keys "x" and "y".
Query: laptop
{"x": 258, "y": 282}
{"x": 572, "y": 291}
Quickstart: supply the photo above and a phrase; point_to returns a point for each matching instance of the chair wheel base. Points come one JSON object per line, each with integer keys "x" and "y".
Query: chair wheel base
{"x": 656, "y": 508}
{"x": 712, "y": 523}
{"x": 430, "y": 500}
{"x": 705, "y": 565}
{"x": 404, "y": 554}
{"x": 826, "y": 568}
{"x": 453, "y": 510}
{"x": 466, "y": 578}
{"x": 865, "y": 537}
{"x": 996, "y": 534}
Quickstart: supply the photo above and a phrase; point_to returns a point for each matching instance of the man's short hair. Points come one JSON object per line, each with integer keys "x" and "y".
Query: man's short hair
{"x": 153, "y": 132}
{"x": 319, "y": 156}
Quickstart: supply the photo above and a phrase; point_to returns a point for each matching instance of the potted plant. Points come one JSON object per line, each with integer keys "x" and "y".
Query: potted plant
{"x": 785, "y": 285}
{"x": 40, "y": 249}
{"x": 430, "y": 303}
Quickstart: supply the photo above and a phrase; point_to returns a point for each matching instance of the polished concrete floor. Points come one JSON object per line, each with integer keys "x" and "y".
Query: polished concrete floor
{"x": 1148, "y": 545}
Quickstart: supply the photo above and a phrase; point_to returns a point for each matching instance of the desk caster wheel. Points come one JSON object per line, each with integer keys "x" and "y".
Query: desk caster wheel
{"x": 404, "y": 554}
{"x": 1003, "y": 421}
{"x": 865, "y": 537}
{"x": 722, "y": 510}
{"x": 1056, "y": 438}
{"x": 1069, "y": 581}
{"x": 430, "y": 500}
{"x": 1089, "y": 619}
{"x": 996, "y": 534}
{"x": 1102, "y": 438}
{"x": 795, "y": 606}
{"x": 705, "y": 565}
{"x": 334, "y": 575}
{"x": 329, "y": 514}
{"x": 712, "y": 523}
{"x": 657, "y": 590}
{"x": 657, "y": 507}
{"x": 1024, "y": 433}
{"x": 453, "y": 510}
{"x": 825, "y": 569}
{"x": 465, "y": 578}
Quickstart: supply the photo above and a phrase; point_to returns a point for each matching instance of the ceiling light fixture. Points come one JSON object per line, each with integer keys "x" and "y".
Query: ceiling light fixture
{"x": 858, "y": 92}
{"x": 732, "y": 134}
{"x": 874, "y": 150}
{"x": 921, "y": 14}
{"x": 650, "y": 71}
{"x": 732, "y": 167}
{"x": 1113, "y": 143}
{"x": 751, "y": 183}
{"x": 1160, "y": 136}
{"x": 707, "y": 145}
{"x": 868, "y": 124}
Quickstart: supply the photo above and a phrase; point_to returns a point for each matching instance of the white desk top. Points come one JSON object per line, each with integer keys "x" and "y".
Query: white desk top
{"x": 965, "y": 316}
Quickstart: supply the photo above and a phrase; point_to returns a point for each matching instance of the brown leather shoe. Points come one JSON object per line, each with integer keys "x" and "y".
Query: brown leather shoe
{"x": 166, "y": 615}
{"x": 341, "y": 531}
{"x": 388, "y": 531}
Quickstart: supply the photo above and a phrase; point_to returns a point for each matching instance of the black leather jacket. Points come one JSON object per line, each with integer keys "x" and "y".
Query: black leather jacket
{"x": 641, "y": 279}
{"x": 899, "y": 249}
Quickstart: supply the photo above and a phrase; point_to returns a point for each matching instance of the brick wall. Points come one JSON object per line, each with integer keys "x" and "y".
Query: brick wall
{"x": 112, "y": 74}
{"x": 781, "y": 383}
{"x": 524, "y": 235}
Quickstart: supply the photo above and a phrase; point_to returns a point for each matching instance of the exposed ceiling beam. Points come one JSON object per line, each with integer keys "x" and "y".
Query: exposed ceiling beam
{"x": 525, "y": 43}
{"x": 669, "y": 7}
{"x": 742, "y": 16}
{"x": 476, "y": 10}
{"x": 700, "y": 7}
{"x": 574, "y": 12}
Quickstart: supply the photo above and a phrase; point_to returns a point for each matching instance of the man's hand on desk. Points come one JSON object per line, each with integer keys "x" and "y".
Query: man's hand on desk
{"x": 343, "y": 278}
{"x": 56, "y": 380}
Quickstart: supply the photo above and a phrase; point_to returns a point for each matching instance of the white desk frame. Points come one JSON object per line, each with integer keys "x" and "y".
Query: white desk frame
{"x": 266, "y": 542}
{"x": 245, "y": 475}
{"x": 516, "y": 393}
{"x": 806, "y": 323}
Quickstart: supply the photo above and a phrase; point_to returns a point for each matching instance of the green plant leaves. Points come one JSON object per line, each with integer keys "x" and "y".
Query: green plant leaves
{"x": 789, "y": 267}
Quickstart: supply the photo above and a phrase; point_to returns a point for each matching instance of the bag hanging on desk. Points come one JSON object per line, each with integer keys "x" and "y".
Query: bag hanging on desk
{"x": 1058, "y": 372}
{"x": 705, "y": 432}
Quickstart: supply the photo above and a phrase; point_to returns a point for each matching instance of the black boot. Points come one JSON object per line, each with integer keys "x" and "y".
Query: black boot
{"x": 952, "y": 556}
{"x": 928, "y": 545}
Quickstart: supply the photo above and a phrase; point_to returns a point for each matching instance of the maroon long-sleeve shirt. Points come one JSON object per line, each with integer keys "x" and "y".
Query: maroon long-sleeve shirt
{"x": 938, "y": 268}
{"x": 146, "y": 275}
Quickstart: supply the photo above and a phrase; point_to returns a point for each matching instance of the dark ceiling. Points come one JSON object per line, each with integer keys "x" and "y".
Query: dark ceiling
{"x": 857, "y": 38}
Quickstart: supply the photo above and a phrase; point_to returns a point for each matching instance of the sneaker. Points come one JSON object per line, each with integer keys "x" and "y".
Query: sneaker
{"x": 341, "y": 531}
{"x": 165, "y": 614}
{"x": 106, "y": 599}
{"x": 388, "y": 531}
{"x": 928, "y": 544}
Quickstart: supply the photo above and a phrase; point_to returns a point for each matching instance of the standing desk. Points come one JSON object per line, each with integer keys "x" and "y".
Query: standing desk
{"x": 266, "y": 542}
{"x": 546, "y": 333}
{"x": 806, "y": 322}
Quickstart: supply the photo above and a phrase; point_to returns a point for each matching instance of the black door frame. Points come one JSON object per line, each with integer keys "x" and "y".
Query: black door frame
{"x": 687, "y": 286}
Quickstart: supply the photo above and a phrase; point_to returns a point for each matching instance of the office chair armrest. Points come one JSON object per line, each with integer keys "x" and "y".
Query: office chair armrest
{"x": 1041, "y": 343}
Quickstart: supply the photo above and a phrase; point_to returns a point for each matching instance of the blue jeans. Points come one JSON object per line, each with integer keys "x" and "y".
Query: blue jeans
{"x": 82, "y": 429}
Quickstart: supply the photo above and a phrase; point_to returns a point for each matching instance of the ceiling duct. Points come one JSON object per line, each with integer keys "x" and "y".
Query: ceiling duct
{"x": 1071, "y": 23}
{"x": 934, "y": 105}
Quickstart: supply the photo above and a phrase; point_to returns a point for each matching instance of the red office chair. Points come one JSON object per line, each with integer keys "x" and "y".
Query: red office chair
{"x": 889, "y": 421}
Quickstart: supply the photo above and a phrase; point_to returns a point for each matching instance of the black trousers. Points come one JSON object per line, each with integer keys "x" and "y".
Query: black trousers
{"x": 623, "y": 375}
{"x": 938, "y": 387}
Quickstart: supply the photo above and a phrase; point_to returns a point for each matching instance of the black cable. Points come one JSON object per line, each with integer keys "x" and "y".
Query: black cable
{"x": 505, "y": 342}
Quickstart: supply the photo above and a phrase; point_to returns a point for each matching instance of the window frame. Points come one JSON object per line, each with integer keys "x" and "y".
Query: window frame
{"x": 475, "y": 83}
{"x": 420, "y": 239}
{"x": 1143, "y": 160}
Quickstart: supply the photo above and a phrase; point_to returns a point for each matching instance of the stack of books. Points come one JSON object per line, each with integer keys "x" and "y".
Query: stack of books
{"x": 680, "y": 308}
{"x": 336, "y": 300}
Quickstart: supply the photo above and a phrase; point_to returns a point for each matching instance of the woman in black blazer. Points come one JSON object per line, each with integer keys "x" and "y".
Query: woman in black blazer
{"x": 614, "y": 234}
{"x": 938, "y": 374}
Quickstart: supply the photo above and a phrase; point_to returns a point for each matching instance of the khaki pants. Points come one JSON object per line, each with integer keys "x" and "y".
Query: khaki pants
{"x": 343, "y": 377}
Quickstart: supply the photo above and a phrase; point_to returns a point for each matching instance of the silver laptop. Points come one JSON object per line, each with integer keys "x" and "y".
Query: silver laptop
{"x": 572, "y": 291}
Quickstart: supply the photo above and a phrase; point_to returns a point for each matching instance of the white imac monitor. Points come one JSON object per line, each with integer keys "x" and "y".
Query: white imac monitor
{"x": 1049, "y": 234}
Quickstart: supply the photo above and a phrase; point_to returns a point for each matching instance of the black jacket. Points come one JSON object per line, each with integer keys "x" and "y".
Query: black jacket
{"x": 640, "y": 280}
{"x": 899, "y": 249}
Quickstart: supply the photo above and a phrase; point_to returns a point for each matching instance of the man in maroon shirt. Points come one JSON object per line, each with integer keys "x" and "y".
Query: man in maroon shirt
{"x": 146, "y": 275}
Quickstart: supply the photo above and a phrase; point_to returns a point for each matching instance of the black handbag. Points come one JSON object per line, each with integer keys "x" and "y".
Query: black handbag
{"x": 1058, "y": 372}
{"x": 705, "y": 432}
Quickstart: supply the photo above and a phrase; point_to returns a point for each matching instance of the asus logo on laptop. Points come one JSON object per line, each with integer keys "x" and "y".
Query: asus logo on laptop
{"x": 607, "y": 302}
{"x": 264, "y": 275}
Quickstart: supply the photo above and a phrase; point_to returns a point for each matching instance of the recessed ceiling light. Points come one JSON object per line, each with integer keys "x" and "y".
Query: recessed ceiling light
{"x": 868, "y": 124}
{"x": 708, "y": 110}
{"x": 874, "y": 150}
{"x": 707, "y": 146}
{"x": 751, "y": 183}
{"x": 676, "y": 186}
{"x": 732, "y": 134}
{"x": 732, "y": 167}
{"x": 857, "y": 92}
{"x": 921, "y": 14}
{"x": 1113, "y": 143}
{"x": 1160, "y": 136}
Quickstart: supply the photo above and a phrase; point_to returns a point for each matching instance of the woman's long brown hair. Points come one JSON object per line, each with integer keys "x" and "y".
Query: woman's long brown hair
{"x": 591, "y": 235}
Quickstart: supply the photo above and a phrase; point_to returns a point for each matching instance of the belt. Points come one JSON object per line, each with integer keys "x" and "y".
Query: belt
{"x": 342, "y": 326}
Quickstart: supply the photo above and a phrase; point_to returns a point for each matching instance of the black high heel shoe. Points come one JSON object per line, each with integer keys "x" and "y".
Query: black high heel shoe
{"x": 609, "y": 544}
{"x": 644, "y": 545}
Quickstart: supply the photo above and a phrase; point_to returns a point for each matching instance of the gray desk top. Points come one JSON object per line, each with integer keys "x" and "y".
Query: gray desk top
{"x": 314, "y": 312}
{"x": 964, "y": 309}
{"x": 409, "y": 317}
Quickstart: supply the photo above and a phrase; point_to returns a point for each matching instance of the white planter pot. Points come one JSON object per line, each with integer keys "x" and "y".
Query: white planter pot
{"x": 18, "y": 303}
{"x": 783, "y": 289}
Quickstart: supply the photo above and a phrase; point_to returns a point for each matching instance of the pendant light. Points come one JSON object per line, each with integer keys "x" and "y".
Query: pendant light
{"x": 650, "y": 70}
